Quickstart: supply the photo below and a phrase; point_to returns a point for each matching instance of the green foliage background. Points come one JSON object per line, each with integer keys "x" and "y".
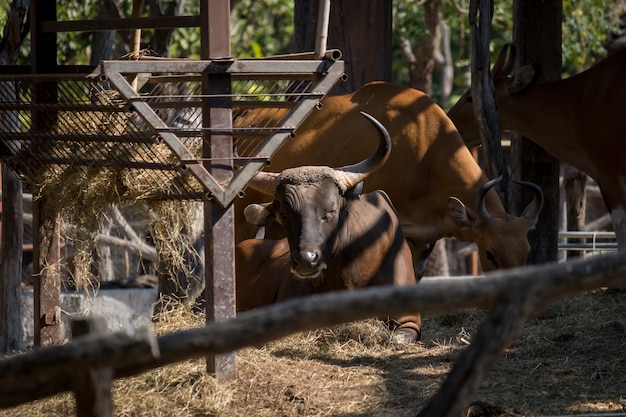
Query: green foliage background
{"x": 265, "y": 27}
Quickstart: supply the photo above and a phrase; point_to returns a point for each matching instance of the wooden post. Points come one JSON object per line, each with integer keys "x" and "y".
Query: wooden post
{"x": 218, "y": 153}
{"x": 46, "y": 235}
{"x": 12, "y": 230}
{"x": 11, "y": 332}
{"x": 92, "y": 386}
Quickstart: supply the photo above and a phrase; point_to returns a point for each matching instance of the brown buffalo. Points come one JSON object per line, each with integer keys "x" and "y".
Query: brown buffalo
{"x": 336, "y": 238}
{"x": 434, "y": 182}
{"x": 576, "y": 119}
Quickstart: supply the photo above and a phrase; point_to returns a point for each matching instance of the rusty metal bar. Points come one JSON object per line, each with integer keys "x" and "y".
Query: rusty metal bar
{"x": 219, "y": 224}
{"x": 182, "y": 196}
{"x": 139, "y": 137}
{"x": 46, "y": 228}
{"x": 172, "y": 141}
{"x": 172, "y": 22}
{"x": 321, "y": 35}
{"x": 238, "y": 104}
{"x": 248, "y": 67}
{"x": 236, "y": 77}
{"x": 331, "y": 54}
{"x": 293, "y": 119}
{"x": 121, "y": 163}
{"x": 73, "y": 107}
{"x": 47, "y": 277}
{"x": 54, "y": 74}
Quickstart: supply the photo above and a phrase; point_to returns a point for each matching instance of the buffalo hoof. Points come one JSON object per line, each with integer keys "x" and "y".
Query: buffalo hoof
{"x": 405, "y": 336}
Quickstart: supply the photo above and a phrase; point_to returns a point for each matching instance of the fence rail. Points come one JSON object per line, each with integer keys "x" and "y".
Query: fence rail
{"x": 514, "y": 296}
{"x": 588, "y": 241}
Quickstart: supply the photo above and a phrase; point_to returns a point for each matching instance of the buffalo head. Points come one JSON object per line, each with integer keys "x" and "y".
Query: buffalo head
{"x": 498, "y": 253}
{"x": 311, "y": 201}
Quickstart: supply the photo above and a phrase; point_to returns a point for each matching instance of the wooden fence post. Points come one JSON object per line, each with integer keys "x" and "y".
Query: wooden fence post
{"x": 92, "y": 386}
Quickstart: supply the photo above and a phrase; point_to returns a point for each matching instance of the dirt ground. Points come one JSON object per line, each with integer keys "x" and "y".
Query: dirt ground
{"x": 570, "y": 360}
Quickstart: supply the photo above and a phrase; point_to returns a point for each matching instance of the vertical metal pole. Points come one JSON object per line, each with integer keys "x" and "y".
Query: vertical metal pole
{"x": 321, "y": 35}
{"x": 135, "y": 41}
{"x": 46, "y": 229}
{"x": 218, "y": 153}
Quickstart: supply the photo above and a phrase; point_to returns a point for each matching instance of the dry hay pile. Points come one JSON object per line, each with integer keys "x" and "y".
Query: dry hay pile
{"x": 81, "y": 195}
{"x": 568, "y": 361}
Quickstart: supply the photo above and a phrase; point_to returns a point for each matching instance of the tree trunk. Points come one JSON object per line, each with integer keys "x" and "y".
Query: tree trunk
{"x": 102, "y": 41}
{"x": 421, "y": 77}
{"x": 162, "y": 38}
{"x": 482, "y": 89}
{"x": 360, "y": 29}
{"x": 537, "y": 33}
{"x": 444, "y": 60}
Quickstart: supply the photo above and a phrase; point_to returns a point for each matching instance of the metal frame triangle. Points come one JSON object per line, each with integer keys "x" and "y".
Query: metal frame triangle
{"x": 325, "y": 73}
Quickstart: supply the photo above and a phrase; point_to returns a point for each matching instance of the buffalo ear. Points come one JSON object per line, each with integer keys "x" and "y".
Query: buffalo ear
{"x": 524, "y": 77}
{"x": 462, "y": 216}
{"x": 259, "y": 214}
{"x": 355, "y": 191}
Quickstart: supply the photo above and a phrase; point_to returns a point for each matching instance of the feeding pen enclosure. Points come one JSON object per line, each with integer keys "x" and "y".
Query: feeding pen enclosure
{"x": 149, "y": 129}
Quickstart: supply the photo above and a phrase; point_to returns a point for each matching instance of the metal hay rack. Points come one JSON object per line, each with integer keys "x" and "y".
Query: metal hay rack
{"x": 138, "y": 124}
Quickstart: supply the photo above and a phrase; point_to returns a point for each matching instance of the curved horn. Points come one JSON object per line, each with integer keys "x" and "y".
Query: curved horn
{"x": 351, "y": 175}
{"x": 532, "y": 210}
{"x": 504, "y": 66}
{"x": 480, "y": 198}
{"x": 265, "y": 182}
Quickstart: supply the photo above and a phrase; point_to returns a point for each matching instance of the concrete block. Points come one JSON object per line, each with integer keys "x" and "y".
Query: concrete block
{"x": 123, "y": 309}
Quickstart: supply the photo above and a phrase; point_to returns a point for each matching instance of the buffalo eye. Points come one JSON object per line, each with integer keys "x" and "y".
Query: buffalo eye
{"x": 469, "y": 99}
{"x": 492, "y": 258}
{"x": 279, "y": 209}
{"x": 329, "y": 214}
